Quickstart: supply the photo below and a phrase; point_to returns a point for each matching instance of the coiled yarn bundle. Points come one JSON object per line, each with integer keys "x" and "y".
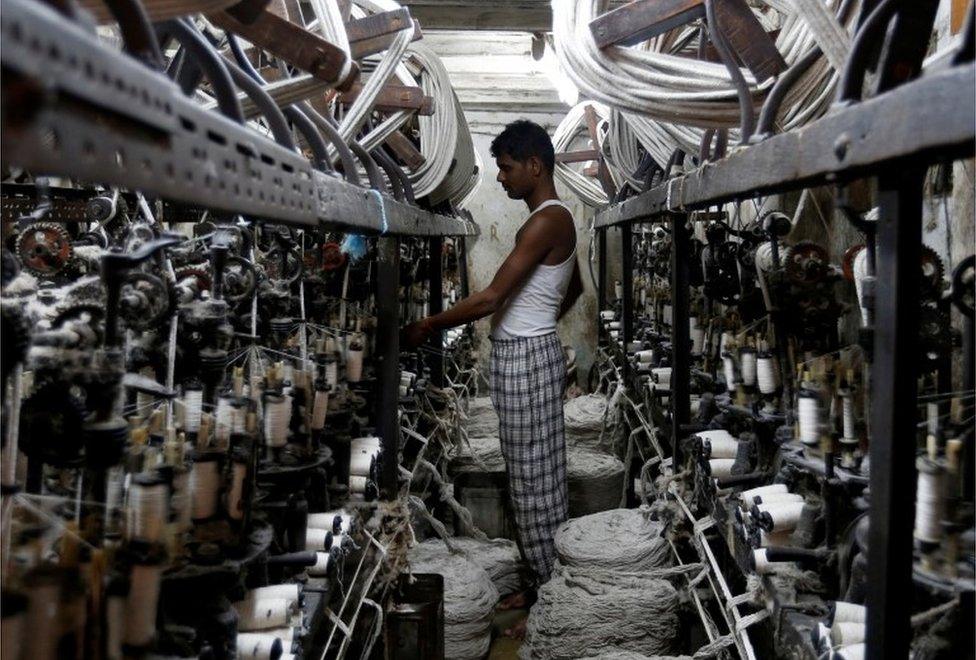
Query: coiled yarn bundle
{"x": 499, "y": 558}
{"x": 585, "y": 420}
{"x": 482, "y": 420}
{"x": 595, "y": 481}
{"x": 469, "y": 598}
{"x": 580, "y": 614}
{"x": 621, "y": 539}
{"x": 483, "y": 454}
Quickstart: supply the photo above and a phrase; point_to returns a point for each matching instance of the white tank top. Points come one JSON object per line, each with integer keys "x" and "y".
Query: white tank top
{"x": 533, "y": 309}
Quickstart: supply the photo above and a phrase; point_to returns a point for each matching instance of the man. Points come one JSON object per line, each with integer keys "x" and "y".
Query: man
{"x": 537, "y": 283}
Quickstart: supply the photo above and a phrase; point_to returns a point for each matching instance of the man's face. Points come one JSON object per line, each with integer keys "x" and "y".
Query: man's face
{"x": 518, "y": 179}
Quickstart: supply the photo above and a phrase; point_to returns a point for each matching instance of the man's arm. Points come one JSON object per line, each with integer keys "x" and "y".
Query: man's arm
{"x": 530, "y": 249}
{"x": 574, "y": 291}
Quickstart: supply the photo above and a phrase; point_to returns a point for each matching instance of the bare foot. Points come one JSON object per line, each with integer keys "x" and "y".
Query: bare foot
{"x": 514, "y": 602}
{"x": 518, "y": 630}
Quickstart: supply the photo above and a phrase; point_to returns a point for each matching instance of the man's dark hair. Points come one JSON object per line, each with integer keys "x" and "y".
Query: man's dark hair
{"x": 522, "y": 139}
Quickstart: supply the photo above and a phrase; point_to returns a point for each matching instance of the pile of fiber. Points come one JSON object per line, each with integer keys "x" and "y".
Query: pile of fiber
{"x": 622, "y": 539}
{"x": 483, "y": 454}
{"x": 499, "y": 557}
{"x": 469, "y": 598}
{"x": 584, "y": 417}
{"x": 482, "y": 420}
{"x": 619, "y": 654}
{"x": 595, "y": 481}
{"x": 580, "y": 614}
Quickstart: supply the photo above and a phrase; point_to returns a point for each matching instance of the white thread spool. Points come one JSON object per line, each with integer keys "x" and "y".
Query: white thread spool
{"x": 762, "y": 564}
{"x": 357, "y": 485}
{"x": 847, "y": 632}
{"x": 618, "y": 289}
{"x": 316, "y": 539}
{"x": 286, "y": 634}
{"x": 615, "y": 335}
{"x": 771, "y": 489}
{"x": 140, "y": 608}
{"x": 235, "y": 495}
{"x": 747, "y": 362}
{"x": 764, "y": 257}
{"x": 721, "y": 443}
{"x": 204, "y": 486}
{"x": 277, "y": 415}
{"x": 256, "y": 646}
{"x": 115, "y": 603}
{"x": 615, "y": 325}
{"x": 147, "y": 509}
{"x": 223, "y": 419}
{"x": 784, "y": 516}
{"x": 608, "y": 315}
{"x": 290, "y": 591}
{"x": 645, "y": 356}
{"x": 354, "y": 362}
{"x": 728, "y": 370}
{"x": 850, "y": 652}
{"x": 262, "y": 614}
{"x": 331, "y": 372}
{"x": 361, "y": 454}
{"x": 724, "y": 342}
{"x": 320, "y": 407}
{"x": 860, "y": 270}
{"x": 697, "y": 334}
{"x": 720, "y": 467}
{"x": 321, "y": 564}
{"x": 287, "y": 656}
{"x": 929, "y": 501}
{"x": 667, "y": 314}
{"x": 180, "y": 499}
{"x": 849, "y": 612}
{"x": 192, "y": 409}
{"x": 808, "y": 406}
{"x": 847, "y": 411}
{"x": 327, "y": 521}
{"x": 767, "y": 373}
{"x": 777, "y": 498}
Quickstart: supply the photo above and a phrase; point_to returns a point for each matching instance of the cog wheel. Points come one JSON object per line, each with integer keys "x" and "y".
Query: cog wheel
{"x": 806, "y": 263}
{"x": 333, "y": 257}
{"x": 964, "y": 285}
{"x": 44, "y": 248}
{"x": 144, "y": 301}
{"x": 200, "y": 275}
{"x": 240, "y": 279}
{"x": 90, "y": 312}
{"x": 933, "y": 272}
{"x": 290, "y": 271}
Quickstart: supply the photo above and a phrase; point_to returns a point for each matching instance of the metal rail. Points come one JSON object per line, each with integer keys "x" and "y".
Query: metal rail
{"x": 927, "y": 120}
{"x": 74, "y": 107}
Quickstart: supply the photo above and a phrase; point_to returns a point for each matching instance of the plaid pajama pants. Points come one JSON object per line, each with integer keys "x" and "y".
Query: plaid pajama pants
{"x": 527, "y": 379}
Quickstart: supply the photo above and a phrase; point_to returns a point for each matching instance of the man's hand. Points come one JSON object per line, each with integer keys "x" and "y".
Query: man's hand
{"x": 415, "y": 334}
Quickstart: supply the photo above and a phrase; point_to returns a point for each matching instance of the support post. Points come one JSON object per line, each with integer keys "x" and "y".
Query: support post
{"x": 893, "y": 415}
{"x": 627, "y": 302}
{"x": 388, "y": 361}
{"x": 601, "y": 277}
{"x": 680, "y": 334}
{"x": 435, "y": 273}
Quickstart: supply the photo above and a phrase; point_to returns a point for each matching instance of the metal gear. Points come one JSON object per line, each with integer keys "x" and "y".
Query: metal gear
{"x": 806, "y": 263}
{"x": 44, "y": 248}
{"x": 240, "y": 279}
{"x": 144, "y": 301}
{"x": 201, "y": 275}
{"x": 964, "y": 286}
{"x": 933, "y": 272}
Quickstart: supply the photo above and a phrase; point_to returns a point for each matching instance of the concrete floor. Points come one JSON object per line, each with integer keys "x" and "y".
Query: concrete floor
{"x": 504, "y": 648}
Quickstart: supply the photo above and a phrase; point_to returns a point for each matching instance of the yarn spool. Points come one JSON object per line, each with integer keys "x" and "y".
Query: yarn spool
{"x": 334, "y": 521}
{"x": 223, "y": 419}
{"x": 286, "y": 634}
{"x": 290, "y": 591}
{"x": 363, "y": 452}
{"x": 728, "y": 371}
{"x": 779, "y": 517}
{"x": 615, "y": 325}
{"x": 725, "y": 342}
{"x": 318, "y": 539}
{"x": 645, "y": 356}
{"x": 720, "y": 467}
{"x": 499, "y": 558}
{"x": 204, "y": 486}
{"x": 330, "y": 371}
{"x": 636, "y": 544}
{"x": 147, "y": 509}
{"x": 483, "y": 454}
{"x": 192, "y": 409}
{"x": 277, "y": 416}
{"x": 861, "y": 287}
{"x": 584, "y": 420}
{"x": 846, "y": 633}
{"x": 255, "y": 646}
{"x": 180, "y": 500}
{"x": 262, "y": 614}
{"x": 320, "y": 407}
{"x": 662, "y": 377}
{"x": 767, "y": 373}
{"x": 140, "y": 607}
{"x": 761, "y": 563}
{"x": 482, "y": 419}
{"x": 775, "y": 539}
{"x": 808, "y": 407}
{"x": 321, "y": 567}
{"x": 469, "y": 598}
{"x": 849, "y": 652}
{"x": 748, "y": 363}
{"x": 764, "y": 257}
{"x": 595, "y": 481}
{"x": 618, "y": 289}
{"x": 929, "y": 501}
{"x": 354, "y": 362}
{"x": 848, "y": 612}
{"x": 238, "y": 478}
{"x": 777, "y": 498}
{"x": 357, "y": 485}
{"x": 847, "y": 412}
{"x": 748, "y": 495}
{"x": 697, "y": 334}
{"x": 608, "y": 315}
{"x": 718, "y": 443}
